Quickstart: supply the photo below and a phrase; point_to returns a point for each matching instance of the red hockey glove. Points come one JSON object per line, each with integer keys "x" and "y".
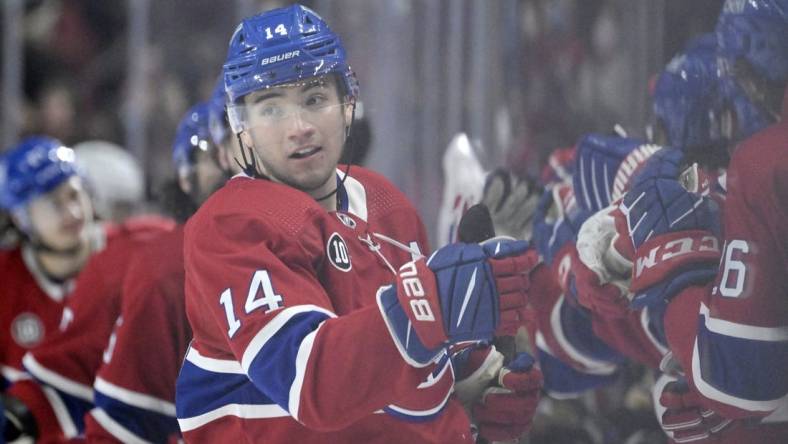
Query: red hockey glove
{"x": 506, "y": 411}
{"x": 682, "y": 416}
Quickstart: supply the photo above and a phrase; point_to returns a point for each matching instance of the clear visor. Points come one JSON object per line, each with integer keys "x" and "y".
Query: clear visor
{"x": 315, "y": 101}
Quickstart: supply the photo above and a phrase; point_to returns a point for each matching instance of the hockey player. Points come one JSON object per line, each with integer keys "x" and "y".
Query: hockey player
{"x": 134, "y": 390}
{"x": 66, "y": 330}
{"x": 581, "y": 346}
{"x": 44, "y": 196}
{"x": 743, "y": 310}
{"x": 315, "y": 316}
{"x": 727, "y": 336}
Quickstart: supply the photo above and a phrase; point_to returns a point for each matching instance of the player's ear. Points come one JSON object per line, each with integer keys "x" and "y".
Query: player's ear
{"x": 184, "y": 183}
{"x": 349, "y": 110}
{"x": 223, "y": 157}
{"x": 246, "y": 139}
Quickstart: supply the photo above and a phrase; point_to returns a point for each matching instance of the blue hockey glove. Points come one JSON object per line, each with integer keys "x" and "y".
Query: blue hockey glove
{"x": 666, "y": 163}
{"x": 597, "y": 161}
{"x": 674, "y": 235}
{"x": 459, "y": 295}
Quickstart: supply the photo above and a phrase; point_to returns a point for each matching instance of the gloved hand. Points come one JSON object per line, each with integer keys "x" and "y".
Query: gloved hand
{"x": 673, "y": 239}
{"x": 600, "y": 273}
{"x": 475, "y": 368}
{"x": 506, "y": 410}
{"x": 597, "y": 161}
{"x": 681, "y": 415}
{"x": 512, "y": 202}
{"x": 462, "y": 293}
{"x": 17, "y": 421}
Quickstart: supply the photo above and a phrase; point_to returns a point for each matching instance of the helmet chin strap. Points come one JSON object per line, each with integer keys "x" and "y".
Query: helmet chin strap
{"x": 347, "y": 167}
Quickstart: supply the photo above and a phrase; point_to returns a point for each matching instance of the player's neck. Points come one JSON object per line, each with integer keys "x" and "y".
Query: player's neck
{"x": 328, "y": 203}
{"x": 61, "y": 266}
{"x": 326, "y": 194}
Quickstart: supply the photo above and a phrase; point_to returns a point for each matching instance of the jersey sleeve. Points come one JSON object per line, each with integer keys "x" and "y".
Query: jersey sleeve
{"x": 135, "y": 386}
{"x": 731, "y": 337}
{"x": 259, "y": 283}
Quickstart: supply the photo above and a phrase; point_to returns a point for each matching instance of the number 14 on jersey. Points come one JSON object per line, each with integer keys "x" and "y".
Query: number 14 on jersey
{"x": 260, "y": 281}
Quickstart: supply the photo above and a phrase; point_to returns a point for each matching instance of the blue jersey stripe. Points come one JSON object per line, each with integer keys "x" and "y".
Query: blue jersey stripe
{"x": 273, "y": 369}
{"x": 75, "y": 407}
{"x": 145, "y": 424}
{"x": 578, "y": 330}
{"x": 561, "y": 380}
{"x": 745, "y": 368}
{"x": 271, "y": 373}
{"x": 199, "y": 391}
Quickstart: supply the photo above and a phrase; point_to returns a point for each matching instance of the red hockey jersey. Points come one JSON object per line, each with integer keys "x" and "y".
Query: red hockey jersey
{"x": 64, "y": 365}
{"x": 289, "y": 343}
{"x": 32, "y": 307}
{"x": 135, "y": 387}
{"x": 731, "y": 337}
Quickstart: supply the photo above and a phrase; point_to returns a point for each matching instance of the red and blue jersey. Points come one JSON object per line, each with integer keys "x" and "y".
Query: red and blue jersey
{"x": 134, "y": 389}
{"x": 731, "y": 337}
{"x": 63, "y": 366}
{"x": 289, "y": 344}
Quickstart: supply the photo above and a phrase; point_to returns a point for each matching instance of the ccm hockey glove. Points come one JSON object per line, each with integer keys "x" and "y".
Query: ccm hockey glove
{"x": 459, "y": 295}
{"x": 673, "y": 234}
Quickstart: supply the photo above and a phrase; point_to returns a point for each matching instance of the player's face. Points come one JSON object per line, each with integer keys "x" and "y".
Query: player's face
{"x": 61, "y": 217}
{"x": 298, "y": 131}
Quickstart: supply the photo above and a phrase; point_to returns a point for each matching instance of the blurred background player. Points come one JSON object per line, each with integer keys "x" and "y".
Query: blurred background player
{"x": 134, "y": 389}
{"x": 709, "y": 318}
{"x": 45, "y": 199}
{"x": 114, "y": 178}
{"x": 64, "y": 297}
{"x": 742, "y": 311}
{"x": 283, "y": 262}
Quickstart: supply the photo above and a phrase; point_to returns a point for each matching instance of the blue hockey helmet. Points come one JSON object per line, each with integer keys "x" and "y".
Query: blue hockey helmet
{"x": 686, "y": 95}
{"x": 283, "y": 46}
{"x": 33, "y": 167}
{"x": 756, "y": 31}
{"x": 748, "y": 118}
{"x": 193, "y": 134}
{"x": 217, "y": 117}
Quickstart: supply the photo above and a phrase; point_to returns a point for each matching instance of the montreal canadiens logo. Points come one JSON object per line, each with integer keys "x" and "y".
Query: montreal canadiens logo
{"x": 27, "y": 330}
{"x": 338, "y": 253}
{"x": 347, "y": 220}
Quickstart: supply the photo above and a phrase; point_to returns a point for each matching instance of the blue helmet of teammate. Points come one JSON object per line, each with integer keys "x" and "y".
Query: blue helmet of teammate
{"x": 686, "y": 95}
{"x": 193, "y": 134}
{"x": 755, "y": 31}
{"x": 33, "y": 167}
{"x": 283, "y": 46}
{"x": 217, "y": 119}
{"x": 749, "y": 118}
